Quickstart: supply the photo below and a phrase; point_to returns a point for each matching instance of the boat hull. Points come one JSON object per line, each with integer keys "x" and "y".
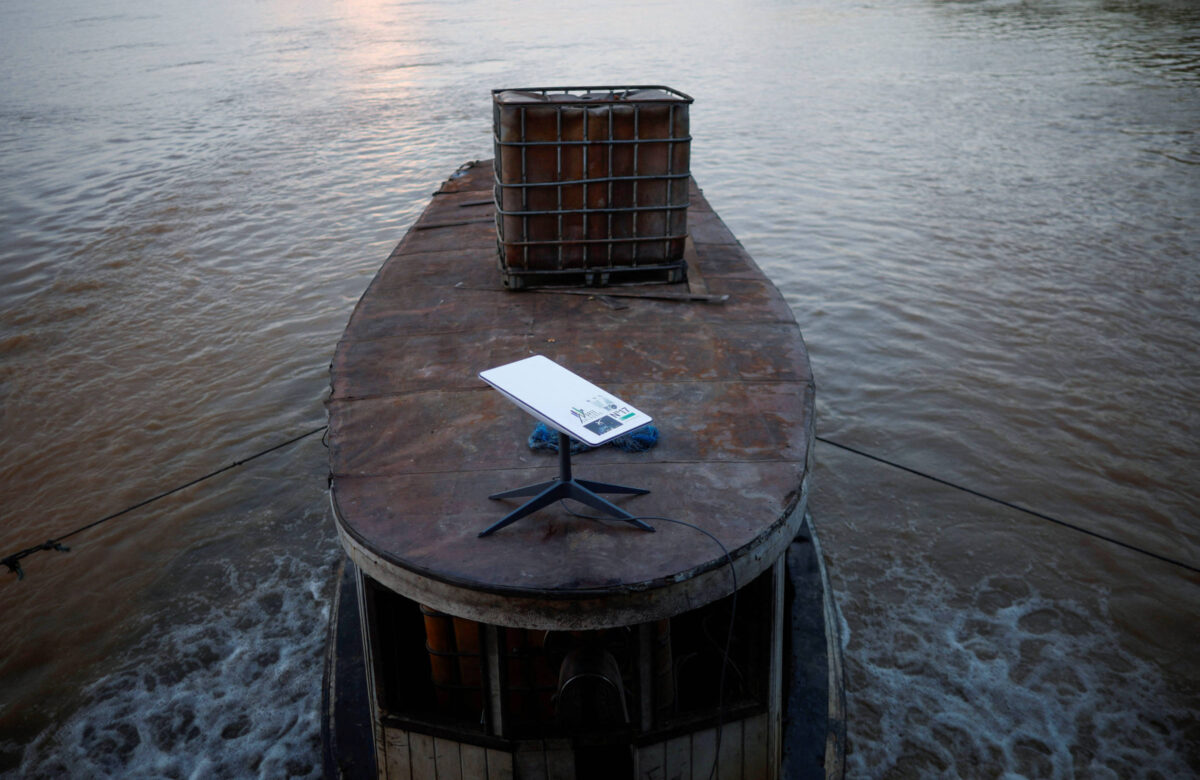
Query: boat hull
{"x": 566, "y": 646}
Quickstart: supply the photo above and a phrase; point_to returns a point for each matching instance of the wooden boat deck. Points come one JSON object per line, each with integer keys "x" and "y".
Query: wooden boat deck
{"x": 418, "y": 442}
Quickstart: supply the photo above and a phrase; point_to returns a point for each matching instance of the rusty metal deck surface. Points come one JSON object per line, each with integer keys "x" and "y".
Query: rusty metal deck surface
{"x": 417, "y": 441}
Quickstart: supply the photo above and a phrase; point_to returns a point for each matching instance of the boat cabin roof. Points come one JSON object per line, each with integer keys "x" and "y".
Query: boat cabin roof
{"x": 417, "y": 442}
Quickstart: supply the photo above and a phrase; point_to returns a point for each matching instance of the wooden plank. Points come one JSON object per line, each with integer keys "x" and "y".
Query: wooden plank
{"x": 691, "y": 756}
{"x": 495, "y": 679}
{"x": 548, "y": 759}
{"x": 835, "y": 735}
{"x": 422, "y": 756}
{"x": 560, "y": 760}
{"x": 396, "y": 751}
{"x": 747, "y": 416}
{"x": 755, "y": 745}
{"x": 499, "y": 765}
{"x": 645, "y": 673}
{"x": 729, "y": 762}
{"x": 529, "y": 763}
{"x": 679, "y": 758}
{"x": 404, "y": 361}
{"x": 695, "y": 278}
{"x": 775, "y": 693}
{"x": 379, "y": 737}
{"x": 595, "y": 550}
{"x": 663, "y": 295}
{"x": 447, "y": 757}
{"x": 652, "y": 762}
{"x": 704, "y": 753}
{"x": 474, "y": 762}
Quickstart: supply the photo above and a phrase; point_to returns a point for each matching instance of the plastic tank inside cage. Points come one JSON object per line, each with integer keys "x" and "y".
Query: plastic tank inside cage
{"x": 591, "y": 184}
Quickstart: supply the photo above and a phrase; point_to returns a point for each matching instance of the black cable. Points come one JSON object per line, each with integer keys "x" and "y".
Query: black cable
{"x": 732, "y": 617}
{"x": 1011, "y": 505}
{"x": 13, "y": 562}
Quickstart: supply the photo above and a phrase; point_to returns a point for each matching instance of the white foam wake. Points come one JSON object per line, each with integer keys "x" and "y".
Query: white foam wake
{"x": 1005, "y": 683}
{"x": 227, "y": 685}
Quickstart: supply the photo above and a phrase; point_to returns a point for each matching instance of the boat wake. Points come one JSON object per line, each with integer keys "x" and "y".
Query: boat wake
{"x": 1008, "y": 681}
{"x": 225, "y": 681}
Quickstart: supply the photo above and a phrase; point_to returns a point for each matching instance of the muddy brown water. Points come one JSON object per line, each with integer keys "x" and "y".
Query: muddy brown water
{"x": 982, "y": 213}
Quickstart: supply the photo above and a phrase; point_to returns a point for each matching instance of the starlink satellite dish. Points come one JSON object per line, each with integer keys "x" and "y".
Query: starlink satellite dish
{"x": 575, "y": 407}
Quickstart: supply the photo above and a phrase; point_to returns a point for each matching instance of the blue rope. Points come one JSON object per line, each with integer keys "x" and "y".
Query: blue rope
{"x": 546, "y": 438}
{"x": 639, "y": 441}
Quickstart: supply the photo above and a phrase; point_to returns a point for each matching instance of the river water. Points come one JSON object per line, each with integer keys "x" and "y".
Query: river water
{"x": 984, "y": 215}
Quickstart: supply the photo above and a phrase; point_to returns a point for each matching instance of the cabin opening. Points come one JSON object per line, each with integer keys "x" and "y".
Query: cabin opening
{"x": 599, "y": 694}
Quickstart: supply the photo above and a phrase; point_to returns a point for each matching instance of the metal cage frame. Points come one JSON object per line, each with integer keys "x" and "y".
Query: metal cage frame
{"x": 611, "y": 207}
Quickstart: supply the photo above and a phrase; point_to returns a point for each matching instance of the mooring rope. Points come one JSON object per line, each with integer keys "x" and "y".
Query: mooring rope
{"x": 13, "y": 562}
{"x": 1011, "y": 505}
